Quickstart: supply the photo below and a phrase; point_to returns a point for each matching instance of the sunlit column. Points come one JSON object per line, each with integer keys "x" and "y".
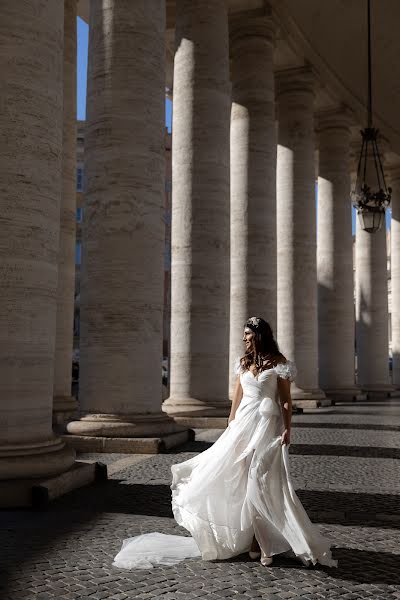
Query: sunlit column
{"x": 394, "y": 181}
{"x": 296, "y": 232}
{"x": 200, "y": 212}
{"x": 335, "y": 256}
{"x": 372, "y": 326}
{"x": 253, "y": 178}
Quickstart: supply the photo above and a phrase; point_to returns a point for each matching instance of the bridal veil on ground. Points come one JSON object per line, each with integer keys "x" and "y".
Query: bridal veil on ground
{"x": 238, "y": 487}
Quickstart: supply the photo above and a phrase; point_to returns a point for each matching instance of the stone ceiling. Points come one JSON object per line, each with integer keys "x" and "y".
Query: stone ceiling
{"x": 331, "y": 36}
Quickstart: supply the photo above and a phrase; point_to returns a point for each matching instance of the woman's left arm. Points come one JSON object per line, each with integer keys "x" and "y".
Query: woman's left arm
{"x": 286, "y": 402}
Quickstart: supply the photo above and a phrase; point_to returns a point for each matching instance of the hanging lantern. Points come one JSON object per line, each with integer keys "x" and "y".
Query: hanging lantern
{"x": 370, "y": 196}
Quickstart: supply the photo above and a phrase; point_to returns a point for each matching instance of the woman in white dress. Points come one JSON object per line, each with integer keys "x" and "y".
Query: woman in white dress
{"x": 237, "y": 496}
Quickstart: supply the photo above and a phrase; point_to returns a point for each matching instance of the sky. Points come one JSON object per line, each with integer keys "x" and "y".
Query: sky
{"x": 83, "y": 30}
{"x": 81, "y": 70}
{"x": 82, "y": 53}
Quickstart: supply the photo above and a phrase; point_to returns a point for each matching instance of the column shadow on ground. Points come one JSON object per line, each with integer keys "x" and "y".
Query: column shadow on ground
{"x": 309, "y": 450}
{"x": 344, "y": 450}
{"x": 24, "y": 536}
{"x": 154, "y": 499}
{"x": 362, "y": 426}
{"x": 29, "y": 536}
{"x": 361, "y": 566}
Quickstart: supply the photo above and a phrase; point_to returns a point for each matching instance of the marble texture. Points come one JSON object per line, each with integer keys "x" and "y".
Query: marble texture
{"x": 31, "y": 62}
{"x": 63, "y": 403}
{"x": 394, "y": 181}
{"x": 200, "y": 211}
{"x": 123, "y": 229}
{"x": 335, "y": 255}
{"x": 372, "y": 328}
{"x": 296, "y": 231}
{"x": 253, "y": 178}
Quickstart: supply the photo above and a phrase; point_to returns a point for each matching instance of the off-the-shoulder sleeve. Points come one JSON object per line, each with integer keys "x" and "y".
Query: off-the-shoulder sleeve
{"x": 236, "y": 366}
{"x": 286, "y": 370}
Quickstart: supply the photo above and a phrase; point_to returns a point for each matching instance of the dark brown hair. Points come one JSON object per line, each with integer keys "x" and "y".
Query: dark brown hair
{"x": 264, "y": 346}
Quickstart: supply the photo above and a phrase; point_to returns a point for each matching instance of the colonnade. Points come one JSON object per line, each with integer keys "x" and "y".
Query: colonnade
{"x": 245, "y": 239}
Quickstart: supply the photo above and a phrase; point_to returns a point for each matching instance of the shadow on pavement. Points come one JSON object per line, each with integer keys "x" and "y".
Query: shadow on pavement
{"x": 154, "y": 499}
{"x": 363, "y": 426}
{"x": 309, "y": 449}
{"x": 344, "y": 450}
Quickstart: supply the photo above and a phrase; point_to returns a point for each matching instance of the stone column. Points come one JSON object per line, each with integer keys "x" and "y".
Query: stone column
{"x": 394, "y": 182}
{"x": 372, "y": 327}
{"x": 63, "y": 404}
{"x": 31, "y": 100}
{"x": 296, "y": 233}
{"x": 253, "y": 179}
{"x": 200, "y": 212}
{"x": 335, "y": 257}
{"x": 123, "y": 231}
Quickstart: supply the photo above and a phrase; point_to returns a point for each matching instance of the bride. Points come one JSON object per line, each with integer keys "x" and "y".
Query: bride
{"x": 237, "y": 496}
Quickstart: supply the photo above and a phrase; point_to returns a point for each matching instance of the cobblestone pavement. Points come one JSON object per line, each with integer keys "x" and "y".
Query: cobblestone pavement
{"x": 346, "y": 470}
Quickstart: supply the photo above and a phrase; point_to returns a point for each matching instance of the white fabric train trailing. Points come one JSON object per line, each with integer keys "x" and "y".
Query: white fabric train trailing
{"x": 151, "y": 549}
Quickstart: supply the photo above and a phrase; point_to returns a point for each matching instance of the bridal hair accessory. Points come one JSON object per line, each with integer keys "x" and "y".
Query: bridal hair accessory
{"x": 256, "y": 324}
{"x": 254, "y": 321}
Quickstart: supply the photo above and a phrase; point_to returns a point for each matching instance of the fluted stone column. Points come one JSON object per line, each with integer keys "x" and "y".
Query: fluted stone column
{"x": 394, "y": 181}
{"x": 335, "y": 257}
{"x": 63, "y": 404}
{"x": 372, "y": 327}
{"x": 123, "y": 231}
{"x": 253, "y": 178}
{"x": 31, "y": 100}
{"x": 200, "y": 211}
{"x": 296, "y": 233}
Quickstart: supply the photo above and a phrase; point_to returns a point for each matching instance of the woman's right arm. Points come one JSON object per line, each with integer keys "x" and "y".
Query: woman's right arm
{"x": 237, "y": 397}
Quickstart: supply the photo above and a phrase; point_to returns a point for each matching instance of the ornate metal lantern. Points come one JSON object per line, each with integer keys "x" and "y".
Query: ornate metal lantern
{"x": 370, "y": 196}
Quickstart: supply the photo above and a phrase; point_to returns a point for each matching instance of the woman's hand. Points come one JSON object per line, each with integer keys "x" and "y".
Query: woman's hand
{"x": 285, "y": 438}
{"x": 231, "y": 418}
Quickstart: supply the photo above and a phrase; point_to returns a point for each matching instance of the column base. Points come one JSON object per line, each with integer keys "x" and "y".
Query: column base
{"x": 396, "y": 390}
{"x": 198, "y": 422}
{"x": 384, "y": 390}
{"x": 345, "y": 394}
{"x": 63, "y": 408}
{"x": 40, "y": 492}
{"x": 42, "y": 459}
{"x": 131, "y": 445}
{"x": 308, "y": 398}
{"x": 193, "y": 407}
{"x": 124, "y": 426}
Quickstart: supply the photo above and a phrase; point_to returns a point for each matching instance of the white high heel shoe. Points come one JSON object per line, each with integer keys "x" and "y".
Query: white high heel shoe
{"x": 266, "y": 560}
{"x": 254, "y": 555}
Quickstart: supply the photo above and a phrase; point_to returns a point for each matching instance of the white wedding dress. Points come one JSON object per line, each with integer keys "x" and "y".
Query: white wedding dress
{"x": 238, "y": 487}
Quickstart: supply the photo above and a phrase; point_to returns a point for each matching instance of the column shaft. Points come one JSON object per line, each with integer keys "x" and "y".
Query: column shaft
{"x": 64, "y": 404}
{"x": 296, "y": 232}
{"x": 335, "y": 257}
{"x": 372, "y": 340}
{"x": 31, "y": 64}
{"x": 123, "y": 231}
{"x": 395, "y": 275}
{"x": 253, "y": 179}
{"x": 200, "y": 212}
